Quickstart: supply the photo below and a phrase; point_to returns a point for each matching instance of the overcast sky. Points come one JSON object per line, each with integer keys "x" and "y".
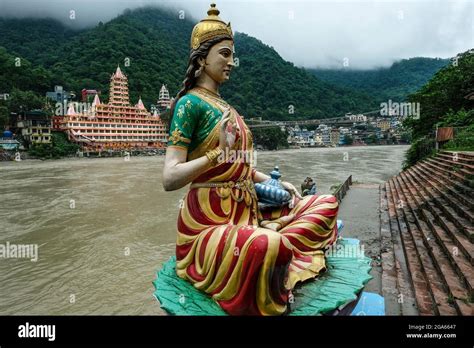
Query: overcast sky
{"x": 310, "y": 33}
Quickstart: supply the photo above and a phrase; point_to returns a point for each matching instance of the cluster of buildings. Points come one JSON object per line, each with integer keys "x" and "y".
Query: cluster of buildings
{"x": 118, "y": 125}
{"x": 98, "y": 126}
{"x": 349, "y": 130}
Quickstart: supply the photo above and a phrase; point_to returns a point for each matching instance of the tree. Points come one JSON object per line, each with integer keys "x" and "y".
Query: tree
{"x": 348, "y": 140}
{"x": 4, "y": 116}
{"x": 22, "y": 101}
{"x": 371, "y": 139}
{"x": 270, "y": 138}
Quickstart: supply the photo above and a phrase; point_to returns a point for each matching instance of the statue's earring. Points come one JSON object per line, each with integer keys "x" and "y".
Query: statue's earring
{"x": 199, "y": 71}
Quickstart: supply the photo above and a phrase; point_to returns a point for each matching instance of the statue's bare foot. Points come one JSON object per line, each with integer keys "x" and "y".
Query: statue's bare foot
{"x": 274, "y": 226}
{"x": 277, "y": 224}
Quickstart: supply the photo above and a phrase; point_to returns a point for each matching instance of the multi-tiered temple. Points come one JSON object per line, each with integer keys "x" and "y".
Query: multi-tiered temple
{"x": 116, "y": 125}
{"x": 164, "y": 100}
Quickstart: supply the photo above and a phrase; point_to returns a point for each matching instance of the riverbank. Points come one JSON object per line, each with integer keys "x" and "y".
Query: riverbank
{"x": 25, "y": 156}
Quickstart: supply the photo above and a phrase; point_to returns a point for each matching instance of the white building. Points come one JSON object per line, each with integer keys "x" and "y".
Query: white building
{"x": 356, "y": 118}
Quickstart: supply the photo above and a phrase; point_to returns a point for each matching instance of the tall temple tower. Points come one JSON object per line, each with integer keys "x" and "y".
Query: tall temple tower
{"x": 164, "y": 101}
{"x": 119, "y": 89}
{"x": 116, "y": 125}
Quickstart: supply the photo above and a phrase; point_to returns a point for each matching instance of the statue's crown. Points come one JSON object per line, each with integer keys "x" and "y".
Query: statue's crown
{"x": 210, "y": 27}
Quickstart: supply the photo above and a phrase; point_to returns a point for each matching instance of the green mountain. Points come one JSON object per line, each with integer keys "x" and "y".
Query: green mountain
{"x": 395, "y": 83}
{"x": 155, "y": 44}
{"x": 20, "y": 73}
{"x": 37, "y": 40}
{"x": 266, "y": 85}
{"x": 25, "y": 83}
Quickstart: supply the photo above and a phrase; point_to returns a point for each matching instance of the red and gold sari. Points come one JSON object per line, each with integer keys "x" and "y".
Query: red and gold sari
{"x": 221, "y": 249}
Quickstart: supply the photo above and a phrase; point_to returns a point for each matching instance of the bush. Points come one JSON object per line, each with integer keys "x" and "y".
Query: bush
{"x": 419, "y": 149}
{"x": 40, "y": 150}
{"x": 60, "y": 147}
{"x": 458, "y": 119}
{"x": 463, "y": 141}
{"x": 270, "y": 138}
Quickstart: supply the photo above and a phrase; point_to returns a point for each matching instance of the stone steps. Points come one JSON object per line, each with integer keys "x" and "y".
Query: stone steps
{"x": 447, "y": 184}
{"x": 462, "y": 156}
{"x": 459, "y": 175}
{"x": 402, "y": 290}
{"x": 407, "y": 266}
{"x": 457, "y": 213}
{"x": 427, "y": 229}
{"x": 429, "y": 232}
{"x": 417, "y": 274}
{"x": 457, "y": 161}
{"x": 434, "y": 281}
{"x": 438, "y": 225}
{"x": 390, "y": 283}
{"x": 458, "y": 185}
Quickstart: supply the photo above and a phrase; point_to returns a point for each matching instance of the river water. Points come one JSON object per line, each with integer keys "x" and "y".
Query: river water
{"x": 104, "y": 226}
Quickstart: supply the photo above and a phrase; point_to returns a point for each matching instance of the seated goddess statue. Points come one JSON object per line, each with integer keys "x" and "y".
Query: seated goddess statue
{"x": 247, "y": 259}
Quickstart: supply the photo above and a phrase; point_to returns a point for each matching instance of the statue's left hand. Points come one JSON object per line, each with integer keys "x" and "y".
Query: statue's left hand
{"x": 293, "y": 191}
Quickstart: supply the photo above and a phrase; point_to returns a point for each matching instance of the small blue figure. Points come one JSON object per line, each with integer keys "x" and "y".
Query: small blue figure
{"x": 308, "y": 187}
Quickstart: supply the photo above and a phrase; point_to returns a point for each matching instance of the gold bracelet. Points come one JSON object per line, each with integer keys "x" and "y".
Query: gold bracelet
{"x": 214, "y": 158}
{"x": 213, "y": 155}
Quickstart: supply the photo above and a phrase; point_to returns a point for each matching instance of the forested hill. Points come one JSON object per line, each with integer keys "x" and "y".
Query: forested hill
{"x": 38, "y": 40}
{"x": 396, "y": 82}
{"x": 155, "y": 42}
{"x": 265, "y": 84}
{"x": 446, "y": 101}
{"x": 445, "y": 95}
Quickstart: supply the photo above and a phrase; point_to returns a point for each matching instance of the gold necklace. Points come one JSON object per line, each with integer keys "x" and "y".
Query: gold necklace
{"x": 213, "y": 96}
{"x": 208, "y": 91}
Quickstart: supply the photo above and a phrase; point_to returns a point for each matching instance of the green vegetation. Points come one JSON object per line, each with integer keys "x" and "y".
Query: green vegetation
{"x": 463, "y": 141}
{"x": 420, "y": 148}
{"x": 155, "y": 43}
{"x": 60, "y": 147}
{"x": 395, "y": 83}
{"x": 334, "y": 188}
{"x": 270, "y": 138}
{"x": 443, "y": 103}
{"x": 26, "y": 84}
{"x": 371, "y": 139}
{"x": 464, "y": 134}
{"x": 348, "y": 140}
{"x": 35, "y": 39}
{"x": 264, "y": 85}
{"x": 152, "y": 47}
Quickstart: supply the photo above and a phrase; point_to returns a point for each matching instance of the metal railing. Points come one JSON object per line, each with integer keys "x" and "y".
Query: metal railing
{"x": 342, "y": 190}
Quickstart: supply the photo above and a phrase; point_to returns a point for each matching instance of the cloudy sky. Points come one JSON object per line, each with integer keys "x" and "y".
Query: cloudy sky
{"x": 310, "y": 33}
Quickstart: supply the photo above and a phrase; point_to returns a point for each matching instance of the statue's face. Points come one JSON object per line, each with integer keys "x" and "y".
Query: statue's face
{"x": 220, "y": 61}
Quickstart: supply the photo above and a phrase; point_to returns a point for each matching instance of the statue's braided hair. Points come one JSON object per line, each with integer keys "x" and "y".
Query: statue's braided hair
{"x": 193, "y": 65}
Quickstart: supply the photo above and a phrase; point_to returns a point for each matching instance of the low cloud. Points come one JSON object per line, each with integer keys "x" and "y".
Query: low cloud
{"x": 326, "y": 34}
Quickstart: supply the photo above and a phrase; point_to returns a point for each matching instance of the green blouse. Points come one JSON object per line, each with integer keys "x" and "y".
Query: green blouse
{"x": 193, "y": 120}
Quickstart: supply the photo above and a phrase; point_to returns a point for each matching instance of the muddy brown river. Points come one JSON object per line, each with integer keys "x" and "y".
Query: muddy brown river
{"x": 104, "y": 226}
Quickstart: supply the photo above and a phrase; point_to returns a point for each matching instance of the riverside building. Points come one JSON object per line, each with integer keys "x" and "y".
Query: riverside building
{"x": 117, "y": 125}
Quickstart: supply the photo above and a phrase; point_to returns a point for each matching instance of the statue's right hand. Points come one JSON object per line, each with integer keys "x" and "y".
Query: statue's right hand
{"x": 222, "y": 130}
